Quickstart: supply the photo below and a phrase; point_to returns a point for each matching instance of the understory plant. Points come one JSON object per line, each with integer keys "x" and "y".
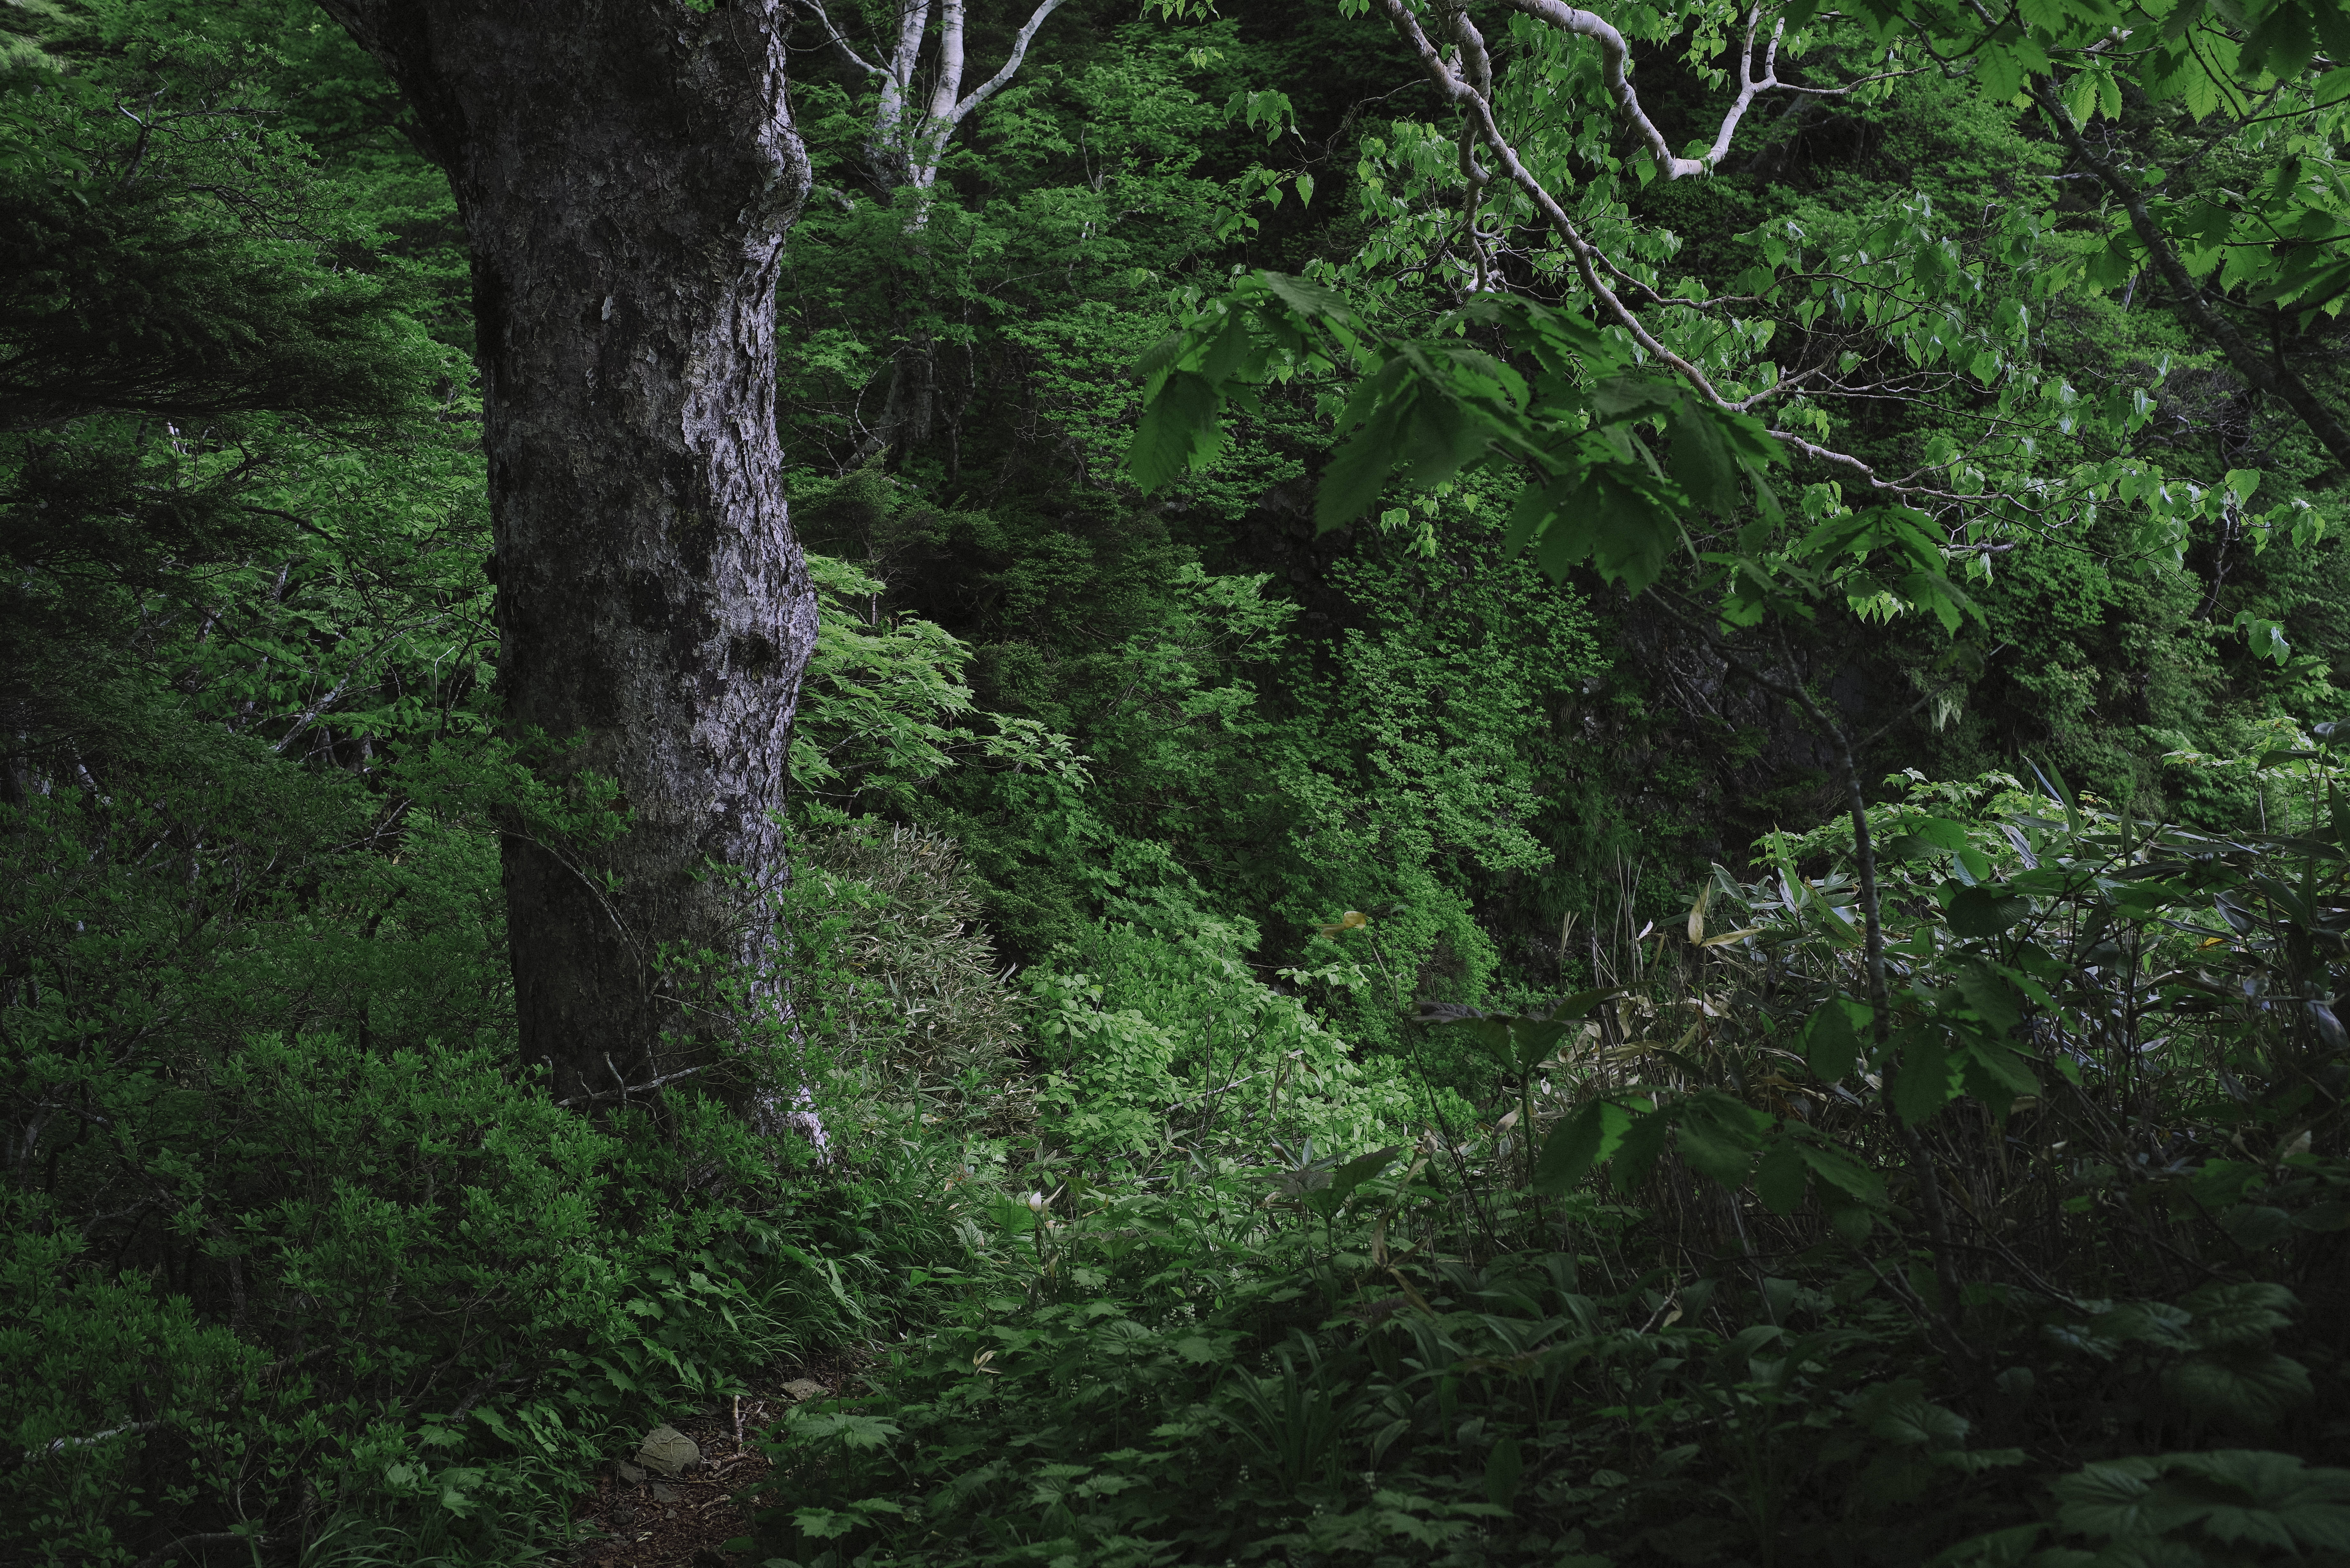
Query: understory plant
{"x": 1678, "y": 1297}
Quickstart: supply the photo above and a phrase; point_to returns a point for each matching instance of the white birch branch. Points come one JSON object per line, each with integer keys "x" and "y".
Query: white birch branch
{"x": 1588, "y": 260}
{"x": 848, "y": 51}
{"x": 994, "y": 84}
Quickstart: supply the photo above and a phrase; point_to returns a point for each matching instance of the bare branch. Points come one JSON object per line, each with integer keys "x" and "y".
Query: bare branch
{"x": 1868, "y": 475}
{"x": 948, "y": 86}
{"x": 841, "y": 43}
{"x": 1615, "y": 52}
{"x": 992, "y": 84}
{"x": 627, "y": 1089}
{"x": 2267, "y": 372}
{"x": 60, "y": 1445}
{"x": 913, "y": 20}
{"x": 1588, "y": 259}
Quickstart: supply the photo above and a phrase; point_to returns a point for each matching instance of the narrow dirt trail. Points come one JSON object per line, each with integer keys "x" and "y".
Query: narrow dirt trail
{"x": 639, "y": 1518}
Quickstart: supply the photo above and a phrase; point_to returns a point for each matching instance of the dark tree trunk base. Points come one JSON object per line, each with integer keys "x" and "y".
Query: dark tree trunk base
{"x": 626, "y": 169}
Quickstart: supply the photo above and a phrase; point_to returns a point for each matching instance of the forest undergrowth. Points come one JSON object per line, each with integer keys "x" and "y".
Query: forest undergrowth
{"x": 1204, "y": 1287}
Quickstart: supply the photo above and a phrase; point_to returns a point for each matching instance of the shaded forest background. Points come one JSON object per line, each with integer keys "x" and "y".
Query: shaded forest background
{"x": 1106, "y": 802}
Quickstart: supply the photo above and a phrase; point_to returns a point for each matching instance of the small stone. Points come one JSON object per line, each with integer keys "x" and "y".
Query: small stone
{"x": 628, "y": 1472}
{"x": 806, "y": 1388}
{"x": 669, "y": 1451}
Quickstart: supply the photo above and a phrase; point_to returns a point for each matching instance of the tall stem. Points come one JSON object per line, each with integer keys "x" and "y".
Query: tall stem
{"x": 1880, "y": 1000}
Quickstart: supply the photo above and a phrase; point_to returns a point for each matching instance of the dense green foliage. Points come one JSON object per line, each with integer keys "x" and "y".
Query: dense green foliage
{"x": 1279, "y": 638}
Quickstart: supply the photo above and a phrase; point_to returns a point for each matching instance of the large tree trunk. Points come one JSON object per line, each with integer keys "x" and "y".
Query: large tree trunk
{"x": 626, "y": 169}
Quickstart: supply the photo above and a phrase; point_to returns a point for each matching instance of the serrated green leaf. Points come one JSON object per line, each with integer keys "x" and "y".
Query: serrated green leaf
{"x": 1643, "y": 1141}
{"x": 2106, "y": 1500}
{"x": 1779, "y": 1180}
{"x": 1831, "y": 1037}
{"x": 1924, "y": 1082}
{"x": 2239, "y": 1388}
{"x": 1915, "y": 1422}
{"x": 1715, "y": 1150}
{"x": 1355, "y": 477}
{"x": 1307, "y": 299}
{"x": 2245, "y": 1312}
{"x": 1986, "y": 911}
{"x": 1577, "y": 1144}
{"x": 1178, "y": 429}
{"x": 1701, "y": 463}
{"x": 1995, "y": 1001}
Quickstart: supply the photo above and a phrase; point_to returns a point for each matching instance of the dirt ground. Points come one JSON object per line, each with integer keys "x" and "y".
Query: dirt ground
{"x": 635, "y": 1517}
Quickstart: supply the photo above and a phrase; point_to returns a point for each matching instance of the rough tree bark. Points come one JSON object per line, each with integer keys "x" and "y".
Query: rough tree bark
{"x": 626, "y": 171}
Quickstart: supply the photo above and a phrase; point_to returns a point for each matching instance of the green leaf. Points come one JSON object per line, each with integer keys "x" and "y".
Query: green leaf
{"x": 2256, "y": 1227}
{"x": 2009, "y": 1548}
{"x": 1849, "y": 1217}
{"x": 1307, "y": 299}
{"x": 1361, "y": 1169}
{"x": 1643, "y": 1141}
{"x": 1615, "y": 397}
{"x": 1178, "y": 429}
{"x": 2054, "y": 783}
{"x": 2107, "y": 1500}
{"x": 1701, "y": 463}
{"x": 1993, "y": 1071}
{"x": 1831, "y": 1037}
{"x": 1581, "y": 1003}
{"x": 1841, "y": 1172}
{"x": 2245, "y": 1496}
{"x": 1352, "y": 481}
{"x": 1715, "y": 1150}
{"x": 1916, "y": 1422}
{"x": 1923, "y": 1085}
{"x": 1535, "y": 1039}
{"x": 1577, "y": 1144}
{"x": 2281, "y": 43}
{"x": 1503, "y": 1465}
{"x": 1999, "y": 73}
{"x": 1226, "y": 351}
{"x": 2239, "y": 1388}
{"x": 1984, "y": 912}
{"x": 1622, "y": 529}
{"x": 1778, "y": 1180}
{"x": 2333, "y": 30}
{"x": 2246, "y": 1312}
{"x": 1995, "y": 1001}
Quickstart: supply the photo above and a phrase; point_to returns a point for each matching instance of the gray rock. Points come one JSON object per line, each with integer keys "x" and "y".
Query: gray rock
{"x": 669, "y": 1451}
